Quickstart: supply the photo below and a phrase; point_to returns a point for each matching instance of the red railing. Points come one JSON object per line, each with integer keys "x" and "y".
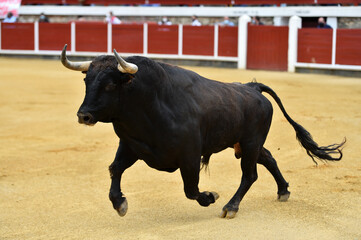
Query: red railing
{"x": 126, "y": 38}
{"x": 189, "y": 2}
{"x": 91, "y": 37}
{"x": 19, "y": 36}
{"x": 163, "y": 39}
{"x": 198, "y": 40}
{"x": 228, "y": 43}
{"x": 53, "y": 36}
{"x": 315, "y": 45}
{"x": 267, "y": 47}
{"x": 348, "y": 46}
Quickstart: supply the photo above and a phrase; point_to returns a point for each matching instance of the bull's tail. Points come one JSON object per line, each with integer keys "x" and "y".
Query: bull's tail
{"x": 302, "y": 135}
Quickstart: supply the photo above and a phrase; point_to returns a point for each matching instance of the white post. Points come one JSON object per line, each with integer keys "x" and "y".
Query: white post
{"x": 334, "y": 37}
{"x": 215, "y": 40}
{"x": 294, "y": 24}
{"x": 332, "y": 21}
{"x": 242, "y": 40}
{"x": 36, "y": 36}
{"x": 145, "y": 39}
{"x": 180, "y": 39}
{"x": 109, "y": 39}
{"x": 72, "y": 37}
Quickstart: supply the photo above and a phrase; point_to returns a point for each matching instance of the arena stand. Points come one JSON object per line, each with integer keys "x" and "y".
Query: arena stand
{"x": 284, "y": 46}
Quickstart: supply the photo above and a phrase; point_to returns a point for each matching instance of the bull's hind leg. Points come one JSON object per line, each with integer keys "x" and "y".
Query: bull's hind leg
{"x": 250, "y": 156}
{"x": 270, "y": 163}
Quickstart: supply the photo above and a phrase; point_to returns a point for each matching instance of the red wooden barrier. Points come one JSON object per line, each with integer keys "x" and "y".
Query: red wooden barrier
{"x": 114, "y": 2}
{"x": 163, "y": 39}
{"x": 348, "y": 46}
{"x": 52, "y": 2}
{"x": 273, "y": 2}
{"x": 191, "y": 3}
{"x": 91, "y": 37}
{"x": 188, "y": 2}
{"x": 17, "y": 36}
{"x": 128, "y": 38}
{"x": 53, "y": 36}
{"x": 267, "y": 47}
{"x": 227, "y": 41}
{"x": 314, "y": 45}
{"x": 355, "y": 2}
{"x": 198, "y": 40}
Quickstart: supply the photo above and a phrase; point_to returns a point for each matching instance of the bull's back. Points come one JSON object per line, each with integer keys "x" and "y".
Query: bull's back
{"x": 223, "y": 112}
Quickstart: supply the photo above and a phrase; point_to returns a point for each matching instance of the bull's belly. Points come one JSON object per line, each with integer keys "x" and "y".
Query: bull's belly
{"x": 216, "y": 141}
{"x": 165, "y": 166}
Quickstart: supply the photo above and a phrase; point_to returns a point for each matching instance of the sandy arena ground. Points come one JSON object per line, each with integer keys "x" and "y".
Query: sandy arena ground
{"x": 54, "y": 176}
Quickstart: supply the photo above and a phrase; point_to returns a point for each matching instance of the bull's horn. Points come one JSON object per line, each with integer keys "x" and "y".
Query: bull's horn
{"x": 124, "y": 66}
{"x": 77, "y": 66}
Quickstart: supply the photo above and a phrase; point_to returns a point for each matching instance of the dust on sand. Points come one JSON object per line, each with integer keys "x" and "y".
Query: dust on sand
{"x": 54, "y": 176}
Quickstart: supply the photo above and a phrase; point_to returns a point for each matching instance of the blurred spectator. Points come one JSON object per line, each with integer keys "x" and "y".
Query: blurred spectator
{"x": 80, "y": 18}
{"x": 10, "y": 18}
{"x": 43, "y": 18}
{"x": 165, "y": 21}
{"x": 112, "y": 19}
{"x": 256, "y": 21}
{"x": 226, "y": 22}
{"x": 322, "y": 23}
{"x": 195, "y": 21}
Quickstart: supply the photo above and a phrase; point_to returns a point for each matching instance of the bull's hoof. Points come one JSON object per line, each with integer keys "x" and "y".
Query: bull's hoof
{"x": 228, "y": 212}
{"x": 206, "y": 198}
{"x": 214, "y": 195}
{"x": 123, "y": 208}
{"x": 283, "y": 197}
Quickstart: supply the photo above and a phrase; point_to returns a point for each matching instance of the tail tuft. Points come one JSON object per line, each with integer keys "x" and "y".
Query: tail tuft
{"x": 302, "y": 135}
{"x": 313, "y": 150}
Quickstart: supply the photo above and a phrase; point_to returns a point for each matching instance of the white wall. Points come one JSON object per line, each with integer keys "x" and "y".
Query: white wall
{"x": 302, "y": 11}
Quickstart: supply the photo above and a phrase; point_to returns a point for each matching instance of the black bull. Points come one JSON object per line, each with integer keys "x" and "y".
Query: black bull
{"x": 170, "y": 117}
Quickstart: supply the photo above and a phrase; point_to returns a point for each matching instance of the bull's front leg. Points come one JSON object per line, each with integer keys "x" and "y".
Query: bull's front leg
{"x": 190, "y": 176}
{"x": 124, "y": 158}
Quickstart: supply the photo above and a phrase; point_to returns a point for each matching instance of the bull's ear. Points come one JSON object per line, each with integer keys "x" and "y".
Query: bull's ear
{"x": 128, "y": 77}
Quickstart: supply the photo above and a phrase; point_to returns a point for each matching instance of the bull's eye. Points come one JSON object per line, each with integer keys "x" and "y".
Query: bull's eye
{"x": 110, "y": 87}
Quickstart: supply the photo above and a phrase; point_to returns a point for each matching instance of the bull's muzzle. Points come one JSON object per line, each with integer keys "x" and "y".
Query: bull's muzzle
{"x": 85, "y": 118}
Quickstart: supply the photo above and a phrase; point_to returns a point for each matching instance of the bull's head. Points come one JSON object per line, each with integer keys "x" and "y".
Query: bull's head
{"x": 105, "y": 78}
